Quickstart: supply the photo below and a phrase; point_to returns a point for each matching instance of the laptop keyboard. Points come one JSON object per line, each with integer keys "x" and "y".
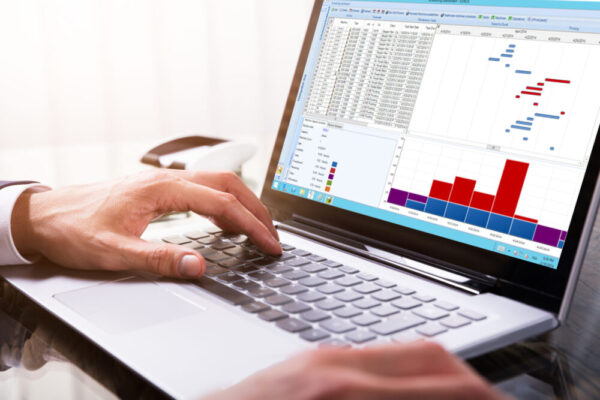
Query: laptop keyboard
{"x": 318, "y": 299}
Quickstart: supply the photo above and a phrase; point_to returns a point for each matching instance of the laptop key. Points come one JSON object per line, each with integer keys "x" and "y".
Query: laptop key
{"x": 425, "y": 298}
{"x": 287, "y": 247}
{"x": 403, "y": 290}
{"x": 277, "y": 282}
{"x": 397, "y": 324}
{"x": 365, "y": 320}
{"x": 222, "y": 245}
{"x": 297, "y": 262}
{"x": 348, "y": 270}
{"x": 386, "y": 295}
{"x": 312, "y": 281}
{"x": 195, "y": 235}
{"x": 292, "y": 325}
{"x": 279, "y": 268}
{"x": 231, "y": 263}
{"x": 348, "y": 281}
{"x": 246, "y": 284}
{"x": 247, "y": 269}
{"x": 331, "y": 264}
{"x": 348, "y": 296}
{"x": 314, "y": 316}
{"x": 385, "y": 284}
{"x": 250, "y": 256}
{"x": 216, "y": 257}
{"x": 384, "y": 310}
{"x": 261, "y": 276}
{"x": 215, "y": 270}
{"x": 206, "y": 251}
{"x": 472, "y": 315}
{"x": 230, "y": 277}
{"x": 316, "y": 258}
{"x": 272, "y": 315}
{"x": 311, "y": 296}
{"x": 278, "y": 300}
{"x": 176, "y": 239}
{"x": 262, "y": 292}
{"x": 295, "y": 307}
{"x": 214, "y": 231}
{"x": 360, "y": 336}
{"x": 285, "y": 257}
{"x": 226, "y": 293}
{"x": 431, "y": 330}
{"x": 208, "y": 240}
{"x": 455, "y": 321}
{"x": 367, "y": 277}
{"x": 367, "y": 288}
{"x": 330, "y": 288}
{"x": 238, "y": 239}
{"x": 366, "y": 303}
{"x": 293, "y": 289}
{"x": 329, "y": 304}
{"x": 337, "y": 325}
{"x": 295, "y": 275}
{"x": 301, "y": 253}
{"x": 314, "y": 335}
{"x": 312, "y": 268}
{"x": 255, "y": 307}
{"x": 406, "y": 337}
{"x": 431, "y": 313}
{"x": 406, "y": 303}
{"x": 330, "y": 274}
{"x": 347, "y": 312}
{"x": 444, "y": 305}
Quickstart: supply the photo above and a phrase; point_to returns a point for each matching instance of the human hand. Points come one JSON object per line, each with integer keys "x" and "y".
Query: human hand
{"x": 420, "y": 370}
{"x": 99, "y": 226}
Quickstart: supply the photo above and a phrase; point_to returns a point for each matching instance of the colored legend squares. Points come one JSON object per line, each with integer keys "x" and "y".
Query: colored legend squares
{"x": 331, "y": 176}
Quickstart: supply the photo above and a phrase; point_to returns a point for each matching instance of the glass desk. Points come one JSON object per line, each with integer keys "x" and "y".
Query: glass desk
{"x": 40, "y": 355}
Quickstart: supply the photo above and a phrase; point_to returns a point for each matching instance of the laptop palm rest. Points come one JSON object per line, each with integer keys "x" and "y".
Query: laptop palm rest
{"x": 126, "y": 305}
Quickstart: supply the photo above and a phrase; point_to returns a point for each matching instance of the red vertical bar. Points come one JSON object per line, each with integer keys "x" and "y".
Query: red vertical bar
{"x": 440, "y": 190}
{"x": 509, "y": 189}
{"x": 462, "y": 191}
{"x": 482, "y": 201}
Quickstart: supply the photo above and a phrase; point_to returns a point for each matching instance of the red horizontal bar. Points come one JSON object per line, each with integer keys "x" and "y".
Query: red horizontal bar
{"x": 557, "y": 80}
{"x": 532, "y": 93}
{"x": 534, "y": 221}
{"x": 541, "y": 84}
{"x": 440, "y": 190}
{"x": 534, "y": 88}
{"x": 462, "y": 191}
{"x": 482, "y": 201}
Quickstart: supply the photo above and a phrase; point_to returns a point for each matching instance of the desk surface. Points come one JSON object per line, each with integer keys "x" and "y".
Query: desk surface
{"x": 40, "y": 355}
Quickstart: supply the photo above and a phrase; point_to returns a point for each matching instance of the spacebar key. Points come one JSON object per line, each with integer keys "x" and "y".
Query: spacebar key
{"x": 224, "y": 292}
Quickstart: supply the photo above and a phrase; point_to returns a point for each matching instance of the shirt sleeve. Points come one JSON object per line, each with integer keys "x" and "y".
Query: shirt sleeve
{"x": 9, "y": 255}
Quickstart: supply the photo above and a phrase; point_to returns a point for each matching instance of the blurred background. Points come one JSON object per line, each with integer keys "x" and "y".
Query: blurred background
{"x": 87, "y": 86}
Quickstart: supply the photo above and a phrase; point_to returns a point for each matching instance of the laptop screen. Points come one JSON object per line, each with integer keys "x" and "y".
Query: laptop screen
{"x": 470, "y": 120}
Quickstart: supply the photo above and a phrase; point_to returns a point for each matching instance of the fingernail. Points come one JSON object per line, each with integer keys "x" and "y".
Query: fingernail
{"x": 190, "y": 266}
{"x": 276, "y": 245}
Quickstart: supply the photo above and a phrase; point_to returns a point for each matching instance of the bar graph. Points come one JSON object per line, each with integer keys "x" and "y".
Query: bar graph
{"x": 460, "y": 202}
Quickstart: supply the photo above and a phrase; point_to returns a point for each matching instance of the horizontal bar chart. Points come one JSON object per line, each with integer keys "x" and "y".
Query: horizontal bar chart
{"x": 460, "y": 201}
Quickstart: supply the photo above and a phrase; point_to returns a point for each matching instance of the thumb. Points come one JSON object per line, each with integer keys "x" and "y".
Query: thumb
{"x": 163, "y": 258}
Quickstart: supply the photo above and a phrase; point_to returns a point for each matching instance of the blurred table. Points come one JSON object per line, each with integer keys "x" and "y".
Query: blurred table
{"x": 41, "y": 355}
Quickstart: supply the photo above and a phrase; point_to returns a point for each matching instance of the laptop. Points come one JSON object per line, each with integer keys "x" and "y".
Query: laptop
{"x": 435, "y": 177}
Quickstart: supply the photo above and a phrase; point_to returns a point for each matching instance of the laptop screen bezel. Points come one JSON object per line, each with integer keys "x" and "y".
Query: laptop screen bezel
{"x": 538, "y": 285}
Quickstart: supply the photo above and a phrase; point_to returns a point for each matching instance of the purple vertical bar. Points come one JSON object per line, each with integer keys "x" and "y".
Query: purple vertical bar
{"x": 563, "y": 235}
{"x": 545, "y": 235}
{"x": 417, "y": 197}
{"x": 398, "y": 197}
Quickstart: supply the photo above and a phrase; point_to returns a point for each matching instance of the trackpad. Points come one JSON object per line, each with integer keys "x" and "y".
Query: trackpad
{"x": 126, "y": 305}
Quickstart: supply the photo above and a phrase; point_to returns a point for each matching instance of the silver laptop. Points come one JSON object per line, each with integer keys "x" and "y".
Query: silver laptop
{"x": 434, "y": 177}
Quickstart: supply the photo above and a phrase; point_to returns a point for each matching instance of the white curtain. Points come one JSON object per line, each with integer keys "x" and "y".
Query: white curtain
{"x": 87, "y": 85}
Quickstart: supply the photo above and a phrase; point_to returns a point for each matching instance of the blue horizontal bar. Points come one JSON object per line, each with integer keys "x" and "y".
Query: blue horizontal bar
{"x": 547, "y": 116}
{"x": 512, "y": 46}
{"x": 456, "y": 212}
{"x": 415, "y": 205}
{"x": 522, "y": 229}
{"x": 510, "y": 50}
{"x": 477, "y": 217}
{"x": 494, "y": 59}
{"x": 523, "y": 128}
{"x": 499, "y": 223}
{"x": 529, "y": 118}
{"x": 436, "y": 207}
{"x": 524, "y": 123}
{"x": 506, "y": 55}
{"x": 520, "y": 71}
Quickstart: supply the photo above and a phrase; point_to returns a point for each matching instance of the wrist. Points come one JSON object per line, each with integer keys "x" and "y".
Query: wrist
{"x": 22, "y": 223}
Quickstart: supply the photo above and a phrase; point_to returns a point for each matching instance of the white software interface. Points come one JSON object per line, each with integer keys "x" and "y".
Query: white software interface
{"x": 469, "y": 121}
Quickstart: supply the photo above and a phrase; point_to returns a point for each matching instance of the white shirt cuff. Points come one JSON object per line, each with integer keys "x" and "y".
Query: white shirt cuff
{"x": 9, "y": 255}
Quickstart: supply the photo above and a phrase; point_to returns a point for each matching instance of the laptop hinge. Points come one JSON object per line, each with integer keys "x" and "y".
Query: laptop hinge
{"x": 388, "y": 255}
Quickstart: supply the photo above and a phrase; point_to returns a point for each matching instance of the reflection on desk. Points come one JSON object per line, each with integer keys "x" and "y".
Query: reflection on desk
{"x": 563, "y": 364}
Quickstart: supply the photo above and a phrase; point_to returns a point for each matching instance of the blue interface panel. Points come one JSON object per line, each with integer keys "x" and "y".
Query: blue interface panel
{"x": 470, "y": 120}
